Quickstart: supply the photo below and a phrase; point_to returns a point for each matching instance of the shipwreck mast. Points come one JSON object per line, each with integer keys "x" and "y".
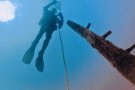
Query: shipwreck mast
{"x": 121, "y": 59}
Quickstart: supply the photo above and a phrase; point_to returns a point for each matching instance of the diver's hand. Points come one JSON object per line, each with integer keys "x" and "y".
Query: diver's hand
{"x": 60, "y": 20}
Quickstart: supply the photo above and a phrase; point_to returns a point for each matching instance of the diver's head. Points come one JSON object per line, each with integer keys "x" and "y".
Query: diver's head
{"x": 56, "y": 8}
{"x": 58, "y": 5}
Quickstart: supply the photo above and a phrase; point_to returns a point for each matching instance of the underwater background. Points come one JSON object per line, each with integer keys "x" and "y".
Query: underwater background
{"x": 87, "y": 69}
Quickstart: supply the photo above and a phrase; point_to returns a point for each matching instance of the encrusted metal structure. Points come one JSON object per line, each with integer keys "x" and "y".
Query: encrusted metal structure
{"x": 121, "y": 59}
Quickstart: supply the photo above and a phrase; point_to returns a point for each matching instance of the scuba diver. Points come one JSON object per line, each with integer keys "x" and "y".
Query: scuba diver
{"x": 50, "y": 22}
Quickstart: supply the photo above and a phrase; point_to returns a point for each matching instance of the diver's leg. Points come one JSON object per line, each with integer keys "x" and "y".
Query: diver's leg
{"x": 39, "y": 61}
{"x": 28, "y": 56}
{"x": 38, "y": 37}
{"x": 46, "y": 42}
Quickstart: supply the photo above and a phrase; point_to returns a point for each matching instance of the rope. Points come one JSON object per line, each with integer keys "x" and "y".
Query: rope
{"x": 64, "y": 61}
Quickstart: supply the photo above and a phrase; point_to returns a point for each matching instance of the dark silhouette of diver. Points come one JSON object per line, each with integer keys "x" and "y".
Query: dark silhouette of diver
{"x": 51, "y": 21}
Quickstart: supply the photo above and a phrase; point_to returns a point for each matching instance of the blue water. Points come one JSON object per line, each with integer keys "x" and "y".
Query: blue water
{"x": 87, "y": 69}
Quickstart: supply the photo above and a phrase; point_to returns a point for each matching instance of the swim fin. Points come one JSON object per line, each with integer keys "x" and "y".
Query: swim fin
{"x": 28, "y": 56}
{"x": 39, "y": 63}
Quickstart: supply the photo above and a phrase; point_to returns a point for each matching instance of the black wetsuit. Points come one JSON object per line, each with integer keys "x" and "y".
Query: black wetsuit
{"x": 48, "y": 25}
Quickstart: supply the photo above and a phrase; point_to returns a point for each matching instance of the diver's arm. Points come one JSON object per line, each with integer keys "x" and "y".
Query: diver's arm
{"x": 60, "y": 20}
{"x": 50, "y": 4}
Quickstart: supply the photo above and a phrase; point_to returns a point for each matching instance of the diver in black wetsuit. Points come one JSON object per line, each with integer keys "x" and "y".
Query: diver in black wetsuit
{"x": 50, "y": 22}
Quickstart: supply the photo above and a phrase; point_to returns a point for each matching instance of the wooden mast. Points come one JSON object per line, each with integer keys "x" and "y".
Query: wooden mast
{"x": 121, "y": 59}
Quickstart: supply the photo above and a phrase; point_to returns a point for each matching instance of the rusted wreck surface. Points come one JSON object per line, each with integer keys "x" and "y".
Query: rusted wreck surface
{"x": 121, "y": 59}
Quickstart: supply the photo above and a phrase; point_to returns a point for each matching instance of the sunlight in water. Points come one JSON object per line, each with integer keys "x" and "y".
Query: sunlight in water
{"x": 7, "y": 11}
